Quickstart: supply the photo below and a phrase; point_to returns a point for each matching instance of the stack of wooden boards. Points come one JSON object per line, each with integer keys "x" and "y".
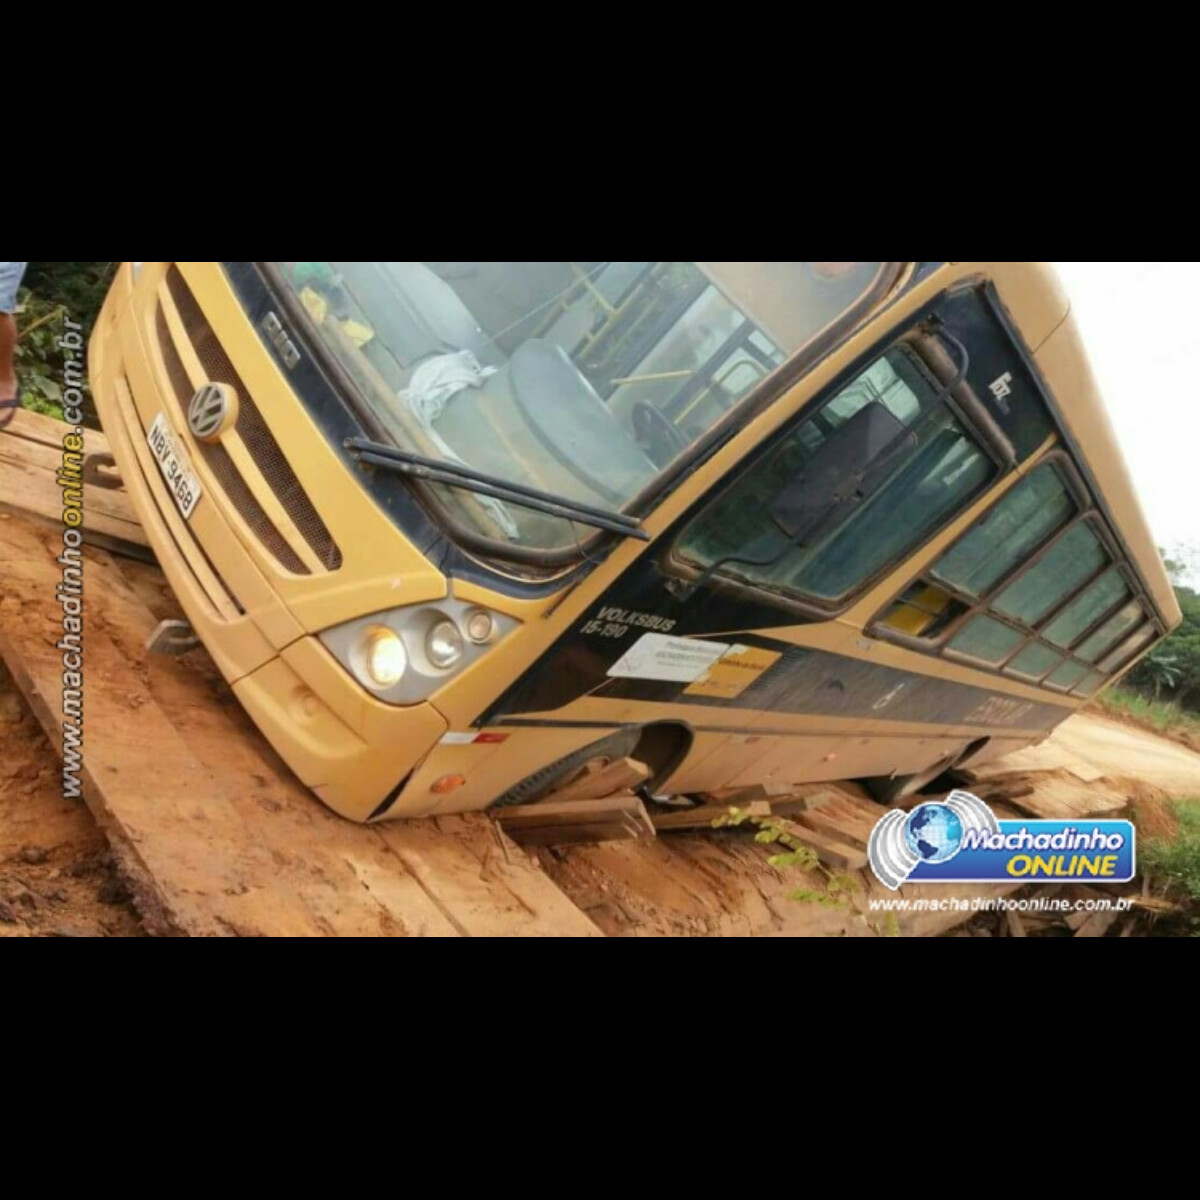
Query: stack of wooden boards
{"x": 31, "y": 461}
{"x": 600, "y": 805}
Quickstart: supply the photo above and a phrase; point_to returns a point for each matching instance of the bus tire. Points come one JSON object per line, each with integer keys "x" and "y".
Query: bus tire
{"x": 608, "y": 750}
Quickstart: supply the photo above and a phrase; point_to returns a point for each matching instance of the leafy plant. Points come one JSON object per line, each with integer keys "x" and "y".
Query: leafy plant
{"x": 39, "y": 361}
{"x": 1176, "y": 861}
{"x": 1173, "y": 668}
{"x": 1159, "y": 715}
{"x": 55, "y": 290}
{"x": 1162, "y": 669}
{"x": 79, "y": 287}
{"x": 835, "y": 889}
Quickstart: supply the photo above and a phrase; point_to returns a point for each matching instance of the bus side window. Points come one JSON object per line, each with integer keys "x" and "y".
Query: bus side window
{"x": 1033, "y": 591}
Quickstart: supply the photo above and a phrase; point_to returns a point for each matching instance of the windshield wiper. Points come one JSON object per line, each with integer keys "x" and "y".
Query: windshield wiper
{"x": 456, "y": 475}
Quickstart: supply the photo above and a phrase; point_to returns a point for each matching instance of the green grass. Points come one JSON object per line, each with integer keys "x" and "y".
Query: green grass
{"x": 1157, "y": 714}
{"x": 1177, "y": 862}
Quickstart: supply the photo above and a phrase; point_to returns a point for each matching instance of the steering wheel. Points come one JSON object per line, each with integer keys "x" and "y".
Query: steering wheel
{"x": 657, "y": 434}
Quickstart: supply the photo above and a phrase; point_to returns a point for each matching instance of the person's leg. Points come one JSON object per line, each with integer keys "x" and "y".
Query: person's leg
{"x": 11, "y": 274}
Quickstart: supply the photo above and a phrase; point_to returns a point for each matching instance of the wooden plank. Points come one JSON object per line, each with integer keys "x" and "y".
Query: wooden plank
{"x": 617, "y": 777}
{"x": 705, "y": 816}
{"x": 625, "y": 830}
{"x": 1046, "y": 757}
{"x": 570, "y": 812}
{"x": 740, "y": 797}
{"x": 34, "y": 461}
{"x": 46, "y": 431}
{"x": 834, "y": 811}
{"x": 831, "y": 851}
{"x": 214, "y": 835}
{"x": 587, "y": 772}
{"x": 1097, "y": 924}
{"x": 30, "y": 457}
{"x": 482, "y": 887}
{"x": 842, "y": 826}
{"x": 578, "y": 823}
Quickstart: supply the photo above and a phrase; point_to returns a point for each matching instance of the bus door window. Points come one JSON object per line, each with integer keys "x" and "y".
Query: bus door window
{"x": 937, "y": 469}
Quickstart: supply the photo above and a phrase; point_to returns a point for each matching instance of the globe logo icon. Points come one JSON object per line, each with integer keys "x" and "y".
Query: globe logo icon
{"x": 934, "y": 833}
{"x": 904, "y": 843}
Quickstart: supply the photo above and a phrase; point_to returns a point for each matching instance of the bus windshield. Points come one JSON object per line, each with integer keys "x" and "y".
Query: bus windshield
{"x": 581, "y": 380}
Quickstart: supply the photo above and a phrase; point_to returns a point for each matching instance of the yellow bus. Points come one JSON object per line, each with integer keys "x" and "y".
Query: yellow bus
{"x": 454, "y": 530}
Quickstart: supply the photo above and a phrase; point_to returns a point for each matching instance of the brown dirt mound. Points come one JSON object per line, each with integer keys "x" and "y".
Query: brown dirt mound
{"x": 56, "y": 875}
{"x": 1155, "y": 817}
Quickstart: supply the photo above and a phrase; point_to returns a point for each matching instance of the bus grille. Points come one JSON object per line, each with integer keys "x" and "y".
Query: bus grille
{"x": 260, "y": 443}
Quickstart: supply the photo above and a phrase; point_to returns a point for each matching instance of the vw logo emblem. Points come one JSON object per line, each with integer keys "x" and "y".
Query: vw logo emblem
{"x": 212, "y": 411}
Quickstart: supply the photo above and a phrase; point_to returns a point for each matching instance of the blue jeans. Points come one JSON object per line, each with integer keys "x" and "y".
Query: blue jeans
{"x": 11, "y": 275}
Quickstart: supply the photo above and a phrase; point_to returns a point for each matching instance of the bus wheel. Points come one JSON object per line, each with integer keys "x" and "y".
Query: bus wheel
{"x": 539, "y": 786}
{"x": 893, "y": 791}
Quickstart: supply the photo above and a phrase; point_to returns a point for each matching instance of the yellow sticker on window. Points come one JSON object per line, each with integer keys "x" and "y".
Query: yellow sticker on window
{"x": 732, "y": 674}
{"x": 317, "y": 305}
{"x": 361, "y": 335}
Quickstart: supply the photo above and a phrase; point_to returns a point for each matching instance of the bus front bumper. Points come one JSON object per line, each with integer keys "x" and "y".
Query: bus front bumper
{"x": 354, "y": 751}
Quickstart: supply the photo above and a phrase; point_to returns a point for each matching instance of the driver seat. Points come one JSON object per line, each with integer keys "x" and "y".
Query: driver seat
{"x": 421, "y": 315}
{"x": 565, "y": 436}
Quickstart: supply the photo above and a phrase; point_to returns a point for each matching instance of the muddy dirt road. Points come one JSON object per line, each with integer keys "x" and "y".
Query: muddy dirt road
{"x": 1118, "y": 749}
{"x": 1095, "y": 747}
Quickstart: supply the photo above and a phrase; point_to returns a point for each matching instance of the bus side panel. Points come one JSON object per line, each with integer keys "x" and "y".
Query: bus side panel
{"x": 736, "y": 761}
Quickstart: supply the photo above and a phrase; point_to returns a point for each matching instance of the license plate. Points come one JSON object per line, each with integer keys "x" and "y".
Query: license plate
{"x": 172, "y": 462}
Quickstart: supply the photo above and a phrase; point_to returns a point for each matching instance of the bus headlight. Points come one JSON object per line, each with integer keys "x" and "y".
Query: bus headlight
{"x": 406, "y": 655}
{"x": 444, "y": 645}
{"x": 384, "y": 658}
{"x": 480, "y": 626}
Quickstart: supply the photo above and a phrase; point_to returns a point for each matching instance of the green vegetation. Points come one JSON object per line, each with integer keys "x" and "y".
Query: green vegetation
{"x": 1176, "y": 861}
{"x": 822, "y": 886}
{"x": 51, "y": 291}
{"x": 1159, "y": 715}
{"x": 1163, "y": 690}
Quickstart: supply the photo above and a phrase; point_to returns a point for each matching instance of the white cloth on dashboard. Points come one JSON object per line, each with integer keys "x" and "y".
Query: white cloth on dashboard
{"x": 434, "y": 384}
{"x": 438, "y": 380}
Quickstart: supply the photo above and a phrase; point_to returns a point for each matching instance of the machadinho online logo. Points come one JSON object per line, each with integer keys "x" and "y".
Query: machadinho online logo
{"x": 960, "y": 840}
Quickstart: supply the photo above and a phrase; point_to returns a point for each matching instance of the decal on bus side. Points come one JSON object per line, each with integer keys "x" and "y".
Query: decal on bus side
{"x": 713, "y": 669}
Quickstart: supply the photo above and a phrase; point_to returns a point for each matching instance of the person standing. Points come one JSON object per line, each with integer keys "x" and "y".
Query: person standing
{"x": 11, "y": 274}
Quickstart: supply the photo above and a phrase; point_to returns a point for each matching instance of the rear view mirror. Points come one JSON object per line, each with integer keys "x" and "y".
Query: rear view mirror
{"x": 842, "y": 473}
